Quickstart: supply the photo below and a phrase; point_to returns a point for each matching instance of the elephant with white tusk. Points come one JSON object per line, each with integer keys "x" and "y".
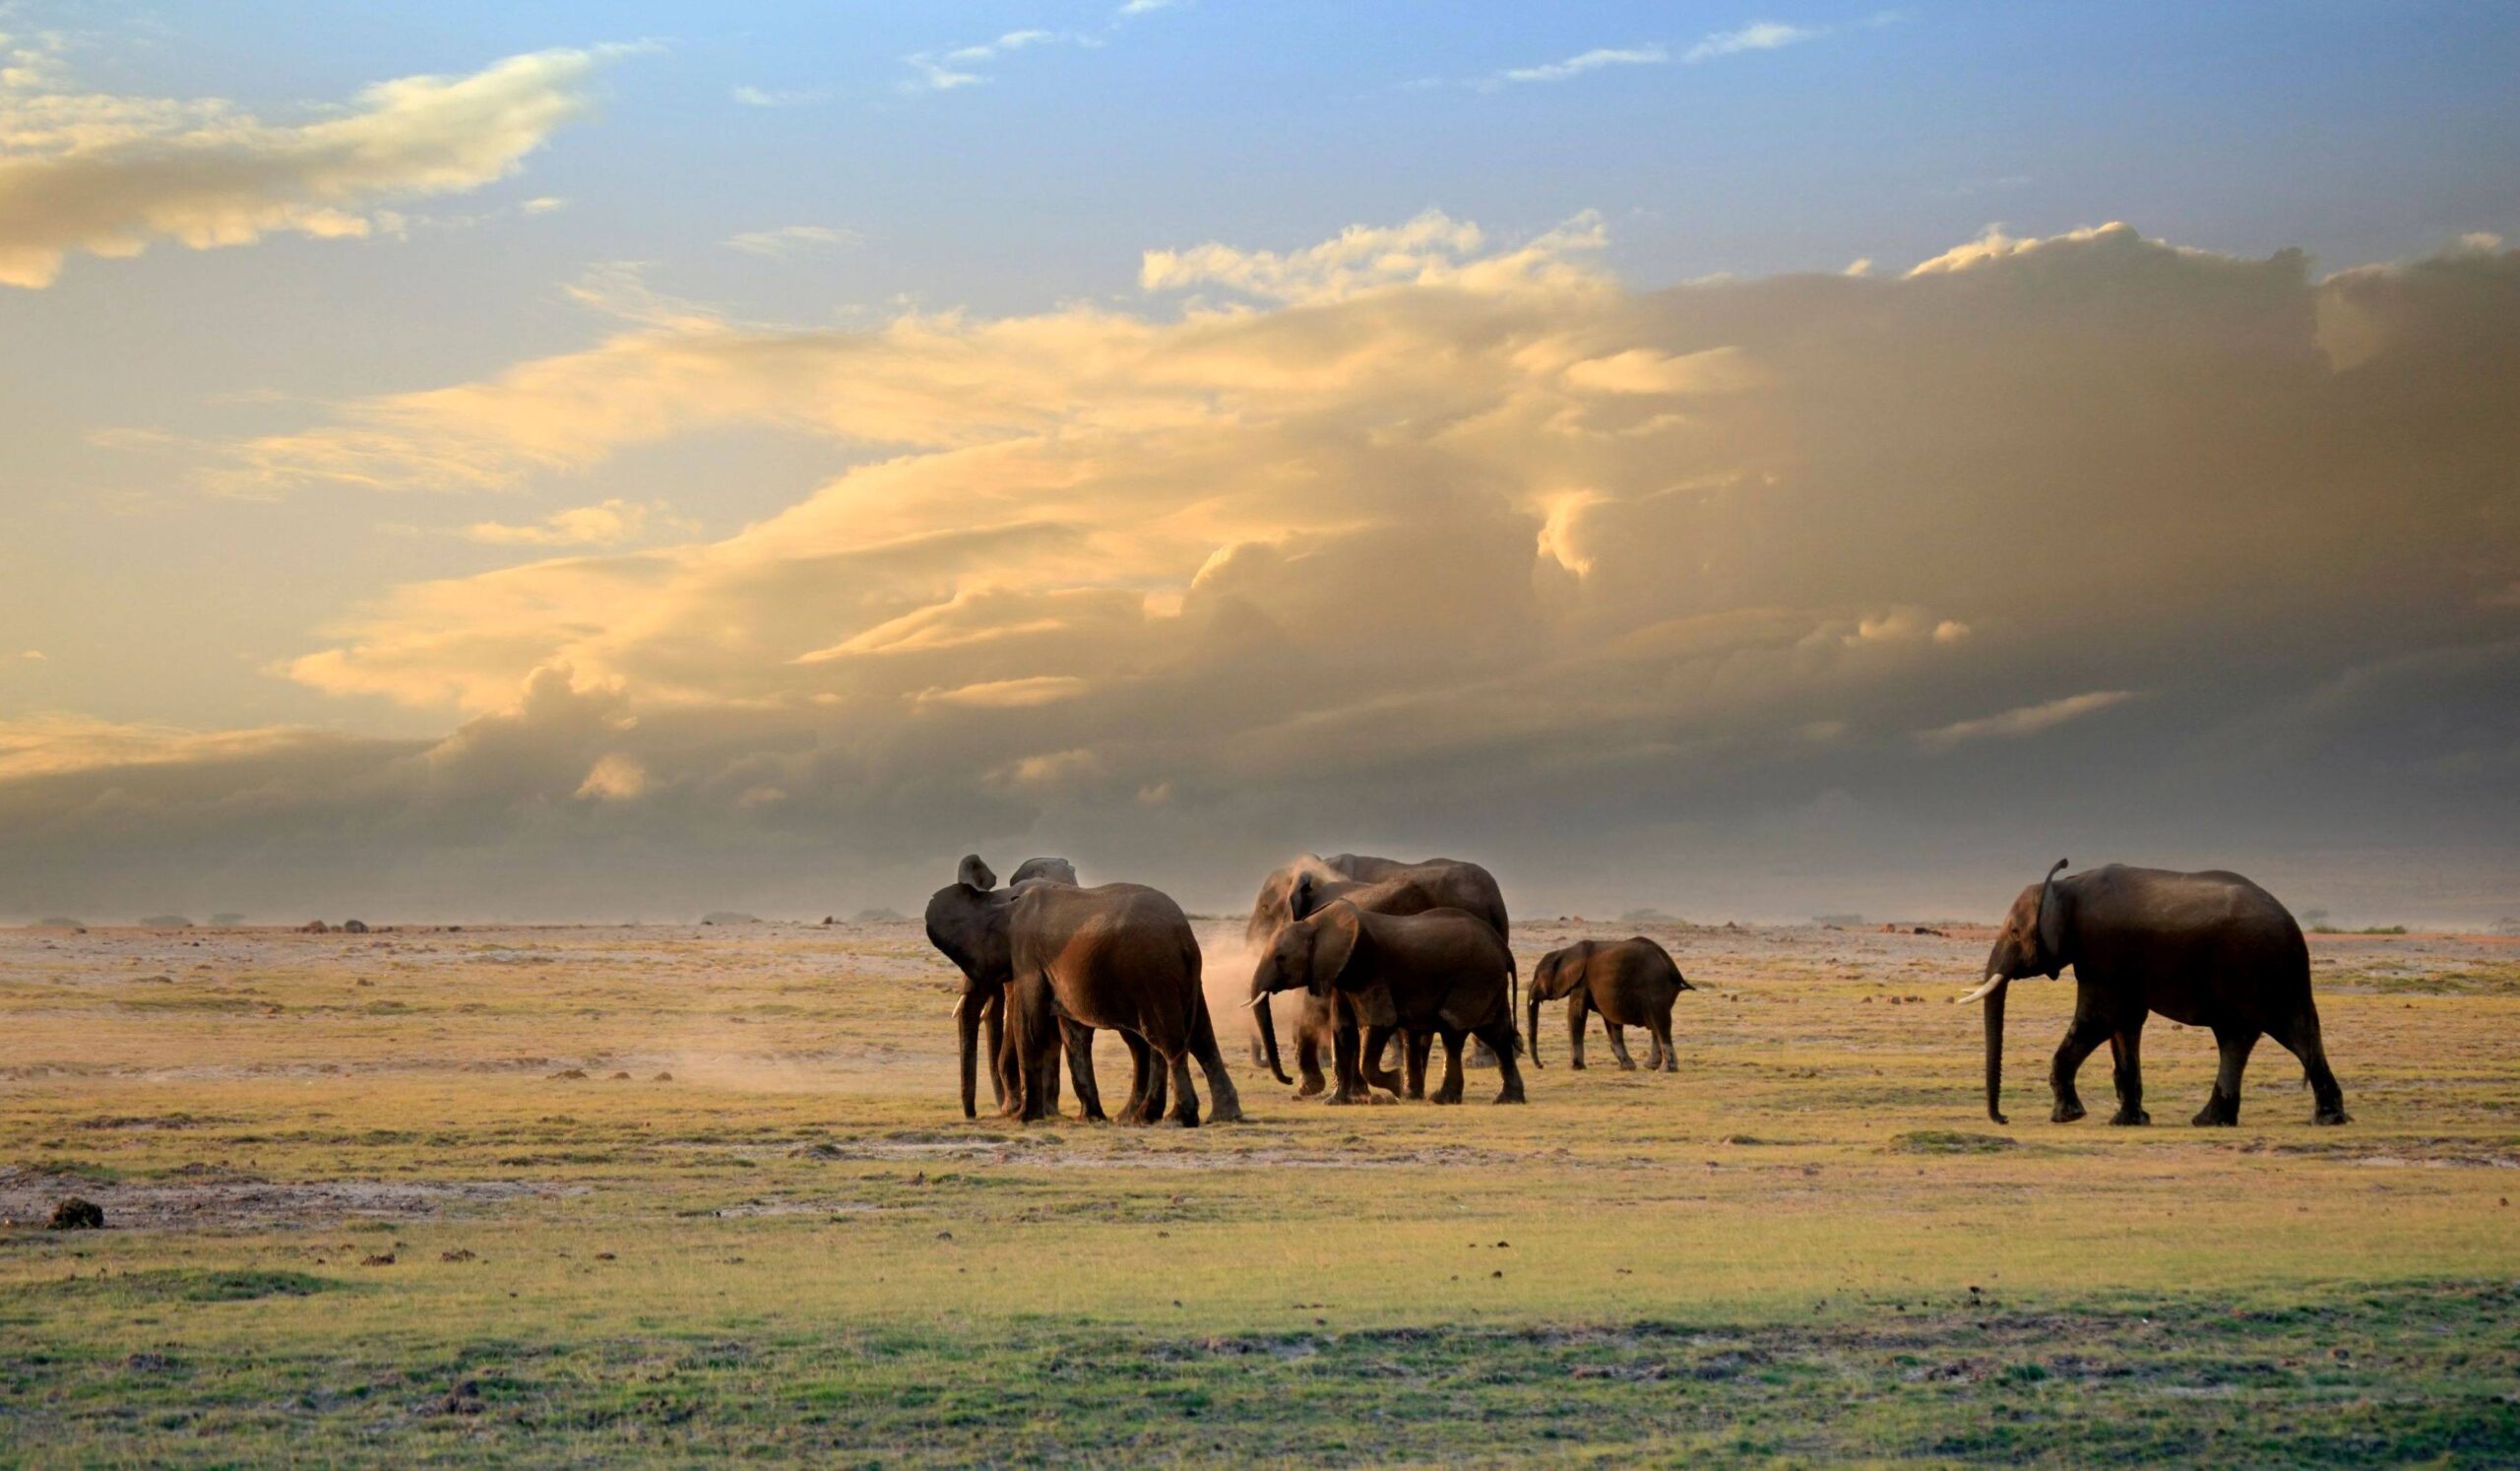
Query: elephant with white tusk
{"x": 2208, "y": 949}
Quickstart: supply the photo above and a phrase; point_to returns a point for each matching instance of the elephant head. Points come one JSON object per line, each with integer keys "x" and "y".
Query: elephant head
{"x": 1309, "y": 954}
{"x": 2033, "y": 942}
{"x": 966, "y": 920}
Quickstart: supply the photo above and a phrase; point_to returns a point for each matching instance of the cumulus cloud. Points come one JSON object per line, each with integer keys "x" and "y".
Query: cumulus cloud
{"x": 1415, "y": 537}
{"x": 110, "y": 175}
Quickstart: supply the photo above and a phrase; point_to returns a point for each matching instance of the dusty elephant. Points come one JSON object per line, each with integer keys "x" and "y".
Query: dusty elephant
{"x": 2208, "y": 949}
{"x": 1443, "y": 971}
{"x": 1631, "y": 983}
{"x": 1380, "y": 885}
{"x": 980, "y": 953}
{"x": 1068, "y": 961}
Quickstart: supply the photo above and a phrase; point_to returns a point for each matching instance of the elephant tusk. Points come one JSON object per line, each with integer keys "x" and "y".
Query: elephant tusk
{"x": 1256, "y": 1000}
{"x": 1979, "y": 994}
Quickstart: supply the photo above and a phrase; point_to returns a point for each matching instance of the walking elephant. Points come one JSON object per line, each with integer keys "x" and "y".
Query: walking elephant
{"x": 1380, "y": 885}
{"x": 1063, "y": 961}
{"x": 1631, "y": 983}
{"x": 2208, "y": 949}
{"x": 1443, "y": 971}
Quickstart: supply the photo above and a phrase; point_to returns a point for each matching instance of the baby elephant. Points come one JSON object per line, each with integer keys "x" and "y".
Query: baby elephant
{"x": 1445, "y": 971}
{"x": 1631, "y": 983}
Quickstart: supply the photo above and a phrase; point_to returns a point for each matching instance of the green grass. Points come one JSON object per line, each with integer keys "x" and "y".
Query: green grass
{"x": 1807, "y": 1245}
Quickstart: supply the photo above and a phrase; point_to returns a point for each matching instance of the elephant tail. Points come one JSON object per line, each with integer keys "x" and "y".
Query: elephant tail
{"x": 1513, "y": 999}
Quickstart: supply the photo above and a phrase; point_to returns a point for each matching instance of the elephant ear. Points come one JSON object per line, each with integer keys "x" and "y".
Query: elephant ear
{"x": 977, "y": 875}
{"x": 1299, "y": 898}
{"x": 1335, "y": 936}
{"x": 2055, "y": 917}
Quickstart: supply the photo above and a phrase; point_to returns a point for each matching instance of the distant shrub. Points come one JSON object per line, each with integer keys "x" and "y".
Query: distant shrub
{"x": 1951, "y": 1141}
{"x": 167, "y": 921}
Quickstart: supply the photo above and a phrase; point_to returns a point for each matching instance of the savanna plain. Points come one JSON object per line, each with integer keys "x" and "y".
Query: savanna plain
{"x": 660, "y": 1193}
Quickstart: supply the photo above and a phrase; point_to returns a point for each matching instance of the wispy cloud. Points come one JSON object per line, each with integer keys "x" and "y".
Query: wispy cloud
{"x": 608, "y": 524}
{"x": 758, "y": 96}
{"x": 959, "y": 67}
{"x": 1761, "y": 36}
{"x": 1589, "y": 61}
{"x": 2027, "y": 720}
{"x": 790, "y": 240}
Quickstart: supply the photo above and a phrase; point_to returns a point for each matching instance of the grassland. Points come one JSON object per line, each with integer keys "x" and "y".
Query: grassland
{"x": 602, "y": 1194}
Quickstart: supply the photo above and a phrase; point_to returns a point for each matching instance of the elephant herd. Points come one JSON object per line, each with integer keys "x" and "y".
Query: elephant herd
{"x": 1364, "y": 953}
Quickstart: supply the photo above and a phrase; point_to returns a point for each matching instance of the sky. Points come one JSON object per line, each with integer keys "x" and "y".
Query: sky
{"x": 629, "y": 460}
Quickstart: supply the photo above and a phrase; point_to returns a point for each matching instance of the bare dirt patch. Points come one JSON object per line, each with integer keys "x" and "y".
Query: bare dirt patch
{"x": 29, "y": 1195}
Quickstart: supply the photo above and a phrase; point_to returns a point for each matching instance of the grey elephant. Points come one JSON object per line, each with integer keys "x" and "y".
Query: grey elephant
{"x": 1378, "y": 885}
{"x": 2208, "y": 949}
{"x": 1441, "y": 972}
{"x": 1631, "y": 983}
{"x": 1064, "y": 961}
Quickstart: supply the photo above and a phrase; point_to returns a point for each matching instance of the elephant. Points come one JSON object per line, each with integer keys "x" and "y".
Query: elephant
{"x": 1380, "y": 884}
{"x": 988, "y": 1001}
{"x": 1064, "y": 961}
{"x": 1442, "y": 970}
{"x": 2207, "y": 949}
{"x": 1631, "y": 983}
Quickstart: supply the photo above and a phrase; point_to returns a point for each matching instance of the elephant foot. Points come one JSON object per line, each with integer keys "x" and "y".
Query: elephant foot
{"x": 2332, "y": 1116}
{"x": 1312, "y": 1088}
{"x": 2066, "y": 1112}
{"x": 1576, "y": 1063}
{"x": 1442, "y": 1098}
{"x": 1226, "y": 1114}
{"x": 1511, "y": 1096}
{"x": 1627, "y": 1068}
{"x": 2130, "y": 1117}
{"x": 2215, "y": 1116}
{"x": 1344, "y": 1099}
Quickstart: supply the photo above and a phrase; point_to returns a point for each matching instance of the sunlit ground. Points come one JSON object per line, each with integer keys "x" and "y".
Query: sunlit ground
{"x": 656, "y": 1192}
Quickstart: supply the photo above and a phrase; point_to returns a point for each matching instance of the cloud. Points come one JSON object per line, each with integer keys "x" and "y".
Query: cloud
{"x": 1764, "y": 35}
{"x": 958, "y": 67}
{"x": 2028, "y": 720}
{"x": 790, "y": 240}
{"x": 1588, "y": 61}
{"x": 33, "y": 654}
{"x": 756, "y": 97}
{"x": 110, "y": 175}
{"x": 1419, "y": 537}
{"x": 606, "y": 524}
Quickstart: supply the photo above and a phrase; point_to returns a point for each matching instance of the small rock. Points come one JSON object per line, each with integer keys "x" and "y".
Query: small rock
{"x": 605, "y": 1256}
{"x": 570, "y": 1075}
{"x": 665, "y": 1077}
{"x": 77, "y": 1214}
{"x": 459, "y": 1253}
{"x": 353, "y": 927}
{"x": 621, "y": 1077}
{"x": 380, "y": 1260}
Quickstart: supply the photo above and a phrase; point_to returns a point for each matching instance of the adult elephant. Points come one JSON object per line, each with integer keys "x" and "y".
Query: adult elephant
{"x": 1631, "y": 983}
{"x": 1442, "y": 972}
{"x": 2208, "y": 949}
{"x": 984, "y": 1002}
{"x": 1064, "y": 961}
{"x": 1378, "y": 885}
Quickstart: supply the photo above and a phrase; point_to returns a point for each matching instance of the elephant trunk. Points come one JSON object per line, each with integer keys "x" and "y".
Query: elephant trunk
{"x": 967, "y": 1025}
{"x": 1996, "y": 1053}
{"x": 1531, "y": 1026}
{"x": 1268, "y": 1038}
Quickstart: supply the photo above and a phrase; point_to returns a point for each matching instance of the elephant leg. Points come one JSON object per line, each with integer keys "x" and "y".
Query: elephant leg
{"x": 1671, "y": 1058}
{"x": 2223, "y": 1107}
{"x": 993, "y": 1029}
{"x": 2299, "y": 1036}
{"x": 1185, "y": 1100}
{"x": 1500, "y": 1036}
{"x": 1377, "y": 1041}
{"x": 1140, "y": 1075}
{"x": 1449, "y": 1090}
{"x": 1308, "y": 1062}
{"x": 2086, "y": 1032}
{"x": 1225, "y": 1105}
{"x": 1345, "y": 1047}
{"x": 1419, "y": 1045}
{"x": 1080, "y": 1067}
{"x": 1618, "y": 1043}
{"x": 1578, "y": 1009}
{"x": 1158, "y": 1086}
{"x": 2126, "y": 1050}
